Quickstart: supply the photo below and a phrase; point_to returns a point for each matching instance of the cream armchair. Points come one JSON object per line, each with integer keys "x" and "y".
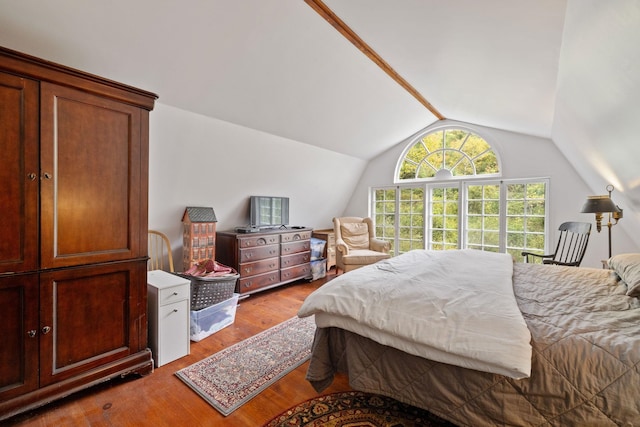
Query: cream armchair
{"x": 356, "y": 245}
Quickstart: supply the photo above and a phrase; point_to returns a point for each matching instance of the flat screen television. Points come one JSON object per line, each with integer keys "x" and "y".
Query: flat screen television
{"x": 269, "y": 212}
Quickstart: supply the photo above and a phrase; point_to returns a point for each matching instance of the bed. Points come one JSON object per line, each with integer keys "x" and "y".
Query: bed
{"x": 478, "y": 339}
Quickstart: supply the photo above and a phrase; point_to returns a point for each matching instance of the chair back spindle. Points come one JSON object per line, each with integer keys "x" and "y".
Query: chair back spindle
{"x": 571, "y": 246}
{"x": 158, "y": 246}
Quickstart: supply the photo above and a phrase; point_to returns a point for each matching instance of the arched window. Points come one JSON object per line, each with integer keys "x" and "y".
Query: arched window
{"x": 449, "y": 193}
{"x": 445, "y": 154}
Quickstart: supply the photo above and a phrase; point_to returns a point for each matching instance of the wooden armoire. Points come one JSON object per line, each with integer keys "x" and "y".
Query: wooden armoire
{"x": 73, "y": 231}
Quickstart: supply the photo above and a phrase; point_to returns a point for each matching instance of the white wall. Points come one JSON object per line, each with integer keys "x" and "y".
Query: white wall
{"x": 522, "y": 157}
{"x": 597, "y": 113}
{"x": 198, "y": 161}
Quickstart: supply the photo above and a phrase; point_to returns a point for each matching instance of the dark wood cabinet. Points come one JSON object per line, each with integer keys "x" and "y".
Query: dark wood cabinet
{"x": 73, "y": 235}
{"x": 19, "y": 360}
{"x": 19, "y": 173}
{"x": 266, "y": 259}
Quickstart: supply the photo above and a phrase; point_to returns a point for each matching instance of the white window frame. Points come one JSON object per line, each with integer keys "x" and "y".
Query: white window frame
{"x": 462, "y": 186}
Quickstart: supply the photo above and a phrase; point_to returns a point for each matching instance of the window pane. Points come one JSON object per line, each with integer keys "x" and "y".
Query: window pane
{"x": 444, "y": 221}
{"x": 455, "y": 138}
{"x": 458, "y": 151}
{"x": 408, "y": 170}
{"x": 527, "y": 210}
{"x": 433, "y": 141}
{"x": 465, "y": 167}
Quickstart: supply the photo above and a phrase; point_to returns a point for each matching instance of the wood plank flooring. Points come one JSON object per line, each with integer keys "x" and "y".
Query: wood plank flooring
{"x": 161, "y": 399}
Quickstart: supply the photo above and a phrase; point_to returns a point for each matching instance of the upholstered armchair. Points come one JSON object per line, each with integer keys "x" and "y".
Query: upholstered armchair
{"x": 356, "y": 245}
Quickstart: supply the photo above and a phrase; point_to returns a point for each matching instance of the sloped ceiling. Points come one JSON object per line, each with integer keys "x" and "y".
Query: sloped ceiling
{"x": 279, "y": 67}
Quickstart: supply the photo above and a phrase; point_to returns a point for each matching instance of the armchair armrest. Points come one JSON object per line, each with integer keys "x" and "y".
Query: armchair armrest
{"x": 342, "y": 247}
{"x": 526, "y": 256}
{"x": 379, "y": 245}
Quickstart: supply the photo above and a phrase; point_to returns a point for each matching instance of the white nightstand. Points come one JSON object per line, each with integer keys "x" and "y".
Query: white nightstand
{"x": 168, "y": 311}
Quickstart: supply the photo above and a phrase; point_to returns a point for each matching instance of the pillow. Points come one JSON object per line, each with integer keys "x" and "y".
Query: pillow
{"x": 627, "y": 266}
{"x": 355, "y": 234}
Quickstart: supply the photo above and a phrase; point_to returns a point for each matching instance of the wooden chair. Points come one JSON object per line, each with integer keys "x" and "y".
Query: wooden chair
{"x": 158, "y": 246}
{"x": 571, "y": 246}
{"x": 356, "y": 245}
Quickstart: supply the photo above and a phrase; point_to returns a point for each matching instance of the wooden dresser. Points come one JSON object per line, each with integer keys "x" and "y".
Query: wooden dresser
{"x": 73, "y": 235}
{"x": 330, "y": 248}
{"x": 266, "y": 259}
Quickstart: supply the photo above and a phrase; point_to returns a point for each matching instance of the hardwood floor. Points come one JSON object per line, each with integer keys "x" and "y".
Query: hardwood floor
{"x": 161, "y": 399}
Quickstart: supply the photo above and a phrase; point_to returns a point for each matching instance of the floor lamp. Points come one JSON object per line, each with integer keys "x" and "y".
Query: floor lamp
{"x": 600, "y": 205}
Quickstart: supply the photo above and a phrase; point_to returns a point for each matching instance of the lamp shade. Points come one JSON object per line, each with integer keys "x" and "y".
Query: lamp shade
{"x": 599, "y": 204}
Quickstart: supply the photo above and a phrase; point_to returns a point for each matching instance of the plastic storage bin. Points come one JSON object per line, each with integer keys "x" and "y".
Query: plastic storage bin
{"x": 210, "y": 320}
{"x": 318, "y": 268}
{"x": 317, "y": 248}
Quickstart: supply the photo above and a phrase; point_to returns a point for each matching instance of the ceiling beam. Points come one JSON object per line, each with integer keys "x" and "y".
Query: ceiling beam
{"x": 333, "y": 19}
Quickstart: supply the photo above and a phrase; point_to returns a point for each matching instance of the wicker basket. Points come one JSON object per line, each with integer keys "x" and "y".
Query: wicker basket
{"x": 207, "y": 291}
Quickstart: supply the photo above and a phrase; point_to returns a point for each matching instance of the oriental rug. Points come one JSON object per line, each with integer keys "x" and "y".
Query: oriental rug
{"x": 233, "y": 376}
{"x": 356, "y": 409}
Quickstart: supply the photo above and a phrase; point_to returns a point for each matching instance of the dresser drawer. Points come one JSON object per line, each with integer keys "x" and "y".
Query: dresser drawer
{"x": 250, "y": 284}
{"x": 295, "y": 236}
{"x": 297, "y": 272}
{"x": 258, "y": 253}
{"x": 252, "y": 242}
{"x": 259, "y": 267}
{"x": 296, "y": 259}
{"x": 173, "y": 294}
{"x": 295, "y": 247}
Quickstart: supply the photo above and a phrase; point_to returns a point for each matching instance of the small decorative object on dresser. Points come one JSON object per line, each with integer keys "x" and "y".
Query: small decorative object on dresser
{"x": 266, "y": 259}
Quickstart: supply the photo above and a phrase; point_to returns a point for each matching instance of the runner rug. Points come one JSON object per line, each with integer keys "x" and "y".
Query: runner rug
{"x": 356, "y": 408}
{"x": 233, "y": 376}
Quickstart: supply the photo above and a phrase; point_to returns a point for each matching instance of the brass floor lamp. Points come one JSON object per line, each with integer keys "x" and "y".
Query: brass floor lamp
{"x": 600, "y": 205}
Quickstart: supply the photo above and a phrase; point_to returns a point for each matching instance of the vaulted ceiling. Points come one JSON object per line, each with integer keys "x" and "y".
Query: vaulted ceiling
{"x": 568, "y": 70}
{"x": 278, "y": 66}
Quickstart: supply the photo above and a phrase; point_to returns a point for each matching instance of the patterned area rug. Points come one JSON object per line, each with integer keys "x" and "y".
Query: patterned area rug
{"x": 356, "y": 409}
{"x": 233, "y": 376}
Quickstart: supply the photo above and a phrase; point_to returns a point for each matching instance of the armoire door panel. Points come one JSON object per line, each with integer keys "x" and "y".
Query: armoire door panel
{"x": 19, "y": 172}
{"x": 90, "y": 156}
{"x": 19, "y": 335}
{"x": 88, "y": 317}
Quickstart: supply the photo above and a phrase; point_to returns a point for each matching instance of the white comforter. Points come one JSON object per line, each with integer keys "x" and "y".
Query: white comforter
{"x": 454, "y": 307}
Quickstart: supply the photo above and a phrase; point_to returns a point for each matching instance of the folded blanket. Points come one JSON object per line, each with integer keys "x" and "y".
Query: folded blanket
{"x": 454, "y": 307}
